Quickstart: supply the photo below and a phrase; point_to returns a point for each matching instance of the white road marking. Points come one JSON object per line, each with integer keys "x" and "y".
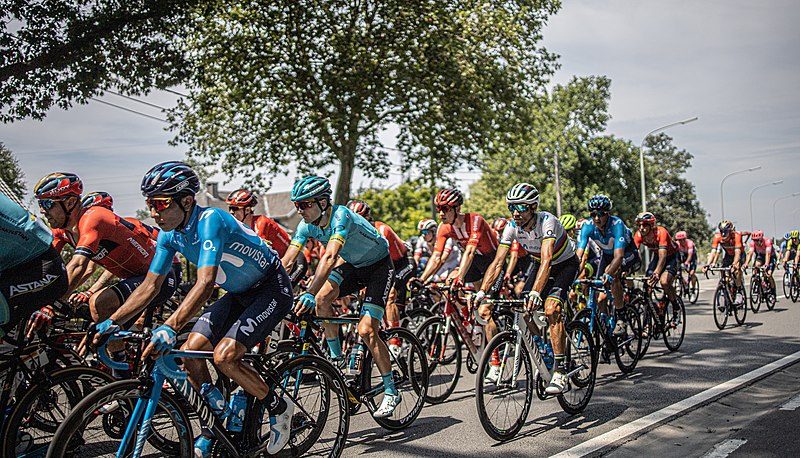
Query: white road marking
{"x": 667, "y": 413}
{"x": 791, "y": 404}
{"x": 724, "y": 448}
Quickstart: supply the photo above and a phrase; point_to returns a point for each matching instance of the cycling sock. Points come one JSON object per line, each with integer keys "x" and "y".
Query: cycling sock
{"x": 275, "y": 405}
{"x": 558, "y": 361}
{"x": 335, "y": 347}
{"x": 388, "y": 384}
{"x": 119, "y": 355}
{"x": 394, "y": 324}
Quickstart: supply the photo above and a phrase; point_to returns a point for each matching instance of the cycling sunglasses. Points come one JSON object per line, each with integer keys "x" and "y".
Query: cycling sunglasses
{"x": 47, "y": 204}
{"x": 159, "y": 204}
{"x": 232, "y": 209}
{"x": 519, "y": 208}
{"x": 443, "y": 208}
{"x": 425, "y": 232}
{"x": 304, "y": 205}
{"x": 598, "y": 214}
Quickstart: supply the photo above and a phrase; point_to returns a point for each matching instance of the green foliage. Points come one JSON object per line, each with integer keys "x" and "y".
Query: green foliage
{"x": 310, "y": 84}
{"x": 63, "y": 51}
{"x": 401, "y": 208}
{"x": 10, "y": 172}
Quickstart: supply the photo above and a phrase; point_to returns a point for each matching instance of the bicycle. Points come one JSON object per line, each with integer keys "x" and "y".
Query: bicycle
{"x": 761, "y": 290}
{"x": 724, "y": 304}
{"x": 409, "y": 368}
{"x": 499, "y": 402}
{"x": 791, "y": 282}
{"x": 154, "y": 412}
{"x": 687, "y": 287}
{"x": 441, "y": 337}
{"x": 627, "y": 347}
{"x": 666, "y": 321}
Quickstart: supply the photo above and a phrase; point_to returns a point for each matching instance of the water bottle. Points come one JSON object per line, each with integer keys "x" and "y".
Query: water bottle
{"x": 214, "y": 397}
{"x": 477, "y": 336}
{"x": 548, "y": 356}
{"x": 612, "y": 323}
{"x": 540, "y": 345}
{"x": 356, "y": 359}
{"x": 237, "y": 407}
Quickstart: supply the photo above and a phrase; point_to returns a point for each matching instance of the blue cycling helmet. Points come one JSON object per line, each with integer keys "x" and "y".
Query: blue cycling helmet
{"x": 600, "y": 202}
{"x": 787, "y": 236}
{"x": 170, "y": 178}
{"x": 311, "y": 187}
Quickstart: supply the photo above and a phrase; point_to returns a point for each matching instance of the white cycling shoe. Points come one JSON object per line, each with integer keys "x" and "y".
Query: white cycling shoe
{"x": 386, "y": 409}
{"x": 557, "y": 384}
{"x": 493, "y": 375}
{"x": 280, "y": 429}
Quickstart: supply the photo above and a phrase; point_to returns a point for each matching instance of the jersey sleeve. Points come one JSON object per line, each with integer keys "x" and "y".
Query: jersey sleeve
{"x": 689, "y": 248}
{"x": 442, "y": 235}
{"x": 583, "y": 237}
{"x": 211, "y": 233}
{"x": 509, "y": 235}
{"x": 767, "y": 245}
{"x": 419, "y": 248}
{"x": 637, "y": 239}
{"x": 477, "y": 227}
{"x": 715, "y": 242}
{"x": 737, "y": 241}
{"x": 663, "y": 238}
{"x": 300, "y": 236}
{"x": 92, "y": 226}
{"x": 549, "y": 228}
{"x": 341, "y": 222}
{"x": 165, "y": 253}
{"x": 618, "y": 231}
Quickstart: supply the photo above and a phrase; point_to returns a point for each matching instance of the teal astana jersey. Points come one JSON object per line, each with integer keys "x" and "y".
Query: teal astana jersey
{"x": 22, "y": 235}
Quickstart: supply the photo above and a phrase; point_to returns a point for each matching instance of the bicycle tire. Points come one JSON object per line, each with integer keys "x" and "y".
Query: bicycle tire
{"x": 694, "y": 289}
{"x": 794, "y": 288}
{"x": 740, "y": 310}
{"x": 37, "y": 413}
{"x": 755, "y": 294}
{"x": 787, "y": 285}
{"x": 720, "y": 307}
{"x": 414, "y": 319}
{"x": 443, "y": 371}
{"x": 70, "y": 439}
{"x": 771, "y": 299}
{"x": 628, "y": 347}
{"x": 505, "y": 343}
{"x": 580, "y": 350}
{"x": 674, "y": 324}
{"x": 643, "y": 306}
{"x": 413, "y": 373}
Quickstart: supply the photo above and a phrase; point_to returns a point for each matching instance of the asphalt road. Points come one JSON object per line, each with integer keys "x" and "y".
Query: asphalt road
{"x": 639, "y": 414}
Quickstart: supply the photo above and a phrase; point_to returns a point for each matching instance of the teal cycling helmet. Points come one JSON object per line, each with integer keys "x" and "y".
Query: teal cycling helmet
{"x": 311, "y": 187}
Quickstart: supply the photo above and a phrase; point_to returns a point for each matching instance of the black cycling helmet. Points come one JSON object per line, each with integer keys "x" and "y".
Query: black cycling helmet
{"x": 169, "y": 179}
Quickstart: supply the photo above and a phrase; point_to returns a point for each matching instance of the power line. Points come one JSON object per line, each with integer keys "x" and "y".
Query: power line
{"x": 130, "y": 110}
{"x": 137, "y": 100}
{"x": 175, "y": 92}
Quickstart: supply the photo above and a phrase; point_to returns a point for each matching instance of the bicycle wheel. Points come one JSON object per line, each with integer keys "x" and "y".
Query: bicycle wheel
{"x": 787, "y": 284}
{"x": 627, "y": 347}
{"x": 641, "y": 304}
{"x": 414, "y": 319}
{"x": 771, "y": 299}
{"x": 755, "y": 294}
{"x": 720, "y": 306}
{"x": 740, "y": 310}
{"x": 694, "y": 289}
{"x": 674, "y": 324}
{"x": 794, "y": 290}
{"x": 410, "y": 371}
{"x": 38, "y": 412}
{"x": 503, "y": 406}
{"x": 91, "y": 430}
{"x": 580, "y": 353}
{"x": 320, "y": 422}
{"x": 444, "y": 358}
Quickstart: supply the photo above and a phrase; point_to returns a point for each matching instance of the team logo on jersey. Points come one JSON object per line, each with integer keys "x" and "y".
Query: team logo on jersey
{"x": 23, "y": 288}
{"x": 208, "y": 245}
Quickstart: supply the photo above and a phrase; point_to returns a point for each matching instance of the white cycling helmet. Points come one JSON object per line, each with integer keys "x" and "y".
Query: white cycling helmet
{"x": 523, "y": 193}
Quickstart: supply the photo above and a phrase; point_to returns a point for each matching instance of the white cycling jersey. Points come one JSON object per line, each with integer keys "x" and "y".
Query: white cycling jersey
{"x": 547, "y": 227}
{"x": 451, "y": 262}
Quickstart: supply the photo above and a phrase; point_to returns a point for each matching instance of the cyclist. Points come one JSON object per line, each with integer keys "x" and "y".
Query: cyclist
{"x": 404, "y": 269}
{"x": 365, "y": 264}
{"x": 519, "y": 261}
{"x": 687, "y": 251}
{"x": 32, "y": 274}
{"x": 792, "y": 242}
{"x": 729, "y": 241}
{"x": 618, "y": 253}
{"x": 555, "y": 267}
{"x": 99, "y": 237}
{"x": 761, "y": 249}
{"x": 241, "y": 204}
{"x": 100, "y": 198}
{"x": 664, "y": 264}
{"x": 451, "y": 254}
{"x": 226, "y": 252}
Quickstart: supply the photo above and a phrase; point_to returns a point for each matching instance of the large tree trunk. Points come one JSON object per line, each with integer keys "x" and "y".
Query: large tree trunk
{"x": 343, "y": 185}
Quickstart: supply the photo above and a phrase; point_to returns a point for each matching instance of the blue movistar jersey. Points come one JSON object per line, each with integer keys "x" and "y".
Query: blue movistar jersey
{"x": 22, "y": 235}
{"x": 213, "y": 237}
{"x": 362, "y": 245}
{"x": 616, "y": 235}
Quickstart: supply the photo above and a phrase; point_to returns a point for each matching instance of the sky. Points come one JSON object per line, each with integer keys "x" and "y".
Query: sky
{"x": 732, "y": 63}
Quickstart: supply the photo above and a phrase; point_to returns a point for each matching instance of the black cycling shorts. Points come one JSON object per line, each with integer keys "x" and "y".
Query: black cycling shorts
{"x": 404, "y": 270}
{"x": 30, "y": 286}
{"x": 299, "y": 270}
{"x": 377, "y": 278}
{"x": 248, "y": 317}
{"x": 631, "y": 262}
{"x": 761, "y": 257}
{"x": 476, "y": 272}
{"x": 727, "y": 260}
{"x": 671, "y": 265}
{"x": 124, "y": 288}
{"x": 560, "y": 281}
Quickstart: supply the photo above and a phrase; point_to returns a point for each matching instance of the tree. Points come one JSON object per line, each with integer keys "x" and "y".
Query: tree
{"x": 65, "y": 51}
{"x": 401, "y": 208}
{"x": 11, "y": 173}
{"x": 312, "y": 83}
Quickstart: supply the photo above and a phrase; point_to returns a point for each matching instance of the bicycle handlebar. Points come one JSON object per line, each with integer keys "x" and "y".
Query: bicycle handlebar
{"x": 102, "y": 351}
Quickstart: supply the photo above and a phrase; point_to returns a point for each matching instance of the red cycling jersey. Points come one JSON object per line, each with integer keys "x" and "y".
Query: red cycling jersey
{"x": 761, "y": 248}
{"x": 273, "y": 234}
{"x": 729, "y": 244}
{"x": 475, "y": 231}
{"x": 397, "y": 249}
{"x": 125, "y": 249}
{"x": 658, "y": 239}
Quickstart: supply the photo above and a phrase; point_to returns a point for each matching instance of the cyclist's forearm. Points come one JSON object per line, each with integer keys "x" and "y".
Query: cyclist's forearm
{"x": 434, "y": 263}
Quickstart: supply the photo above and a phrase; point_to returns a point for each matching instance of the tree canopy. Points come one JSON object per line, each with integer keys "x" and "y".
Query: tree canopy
{"x": 11, "y": 173}
{"x": 401, "y": 208}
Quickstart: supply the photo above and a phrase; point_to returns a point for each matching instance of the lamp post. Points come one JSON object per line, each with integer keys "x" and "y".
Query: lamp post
{"x": 774, "y": 218}
{"x": 641, "y": 153}
{"x": 774, "y": 183}
{"x": 721, "y": 195}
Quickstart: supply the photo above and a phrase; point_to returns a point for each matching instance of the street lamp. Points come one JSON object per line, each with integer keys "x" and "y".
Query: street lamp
{"x": 721, "y": 196}
{"x": 751, "y": 197}
{"x": 641, "y": 152}
{"x": 774, "y": 220}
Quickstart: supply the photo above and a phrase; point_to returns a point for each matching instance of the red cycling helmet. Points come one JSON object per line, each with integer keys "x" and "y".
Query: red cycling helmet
{"x": 241, "y": 198}
{"x": 448, "y": 198}
{"x": 499, "y": 224}
{"x": 646, "y": 218}
{"x": 757, "y": 235}
{"x": 680, "y": 235}
{"x": 360, "y": 207}
{"x": 98, "y": 198}
{"x": 58, "y": 184}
